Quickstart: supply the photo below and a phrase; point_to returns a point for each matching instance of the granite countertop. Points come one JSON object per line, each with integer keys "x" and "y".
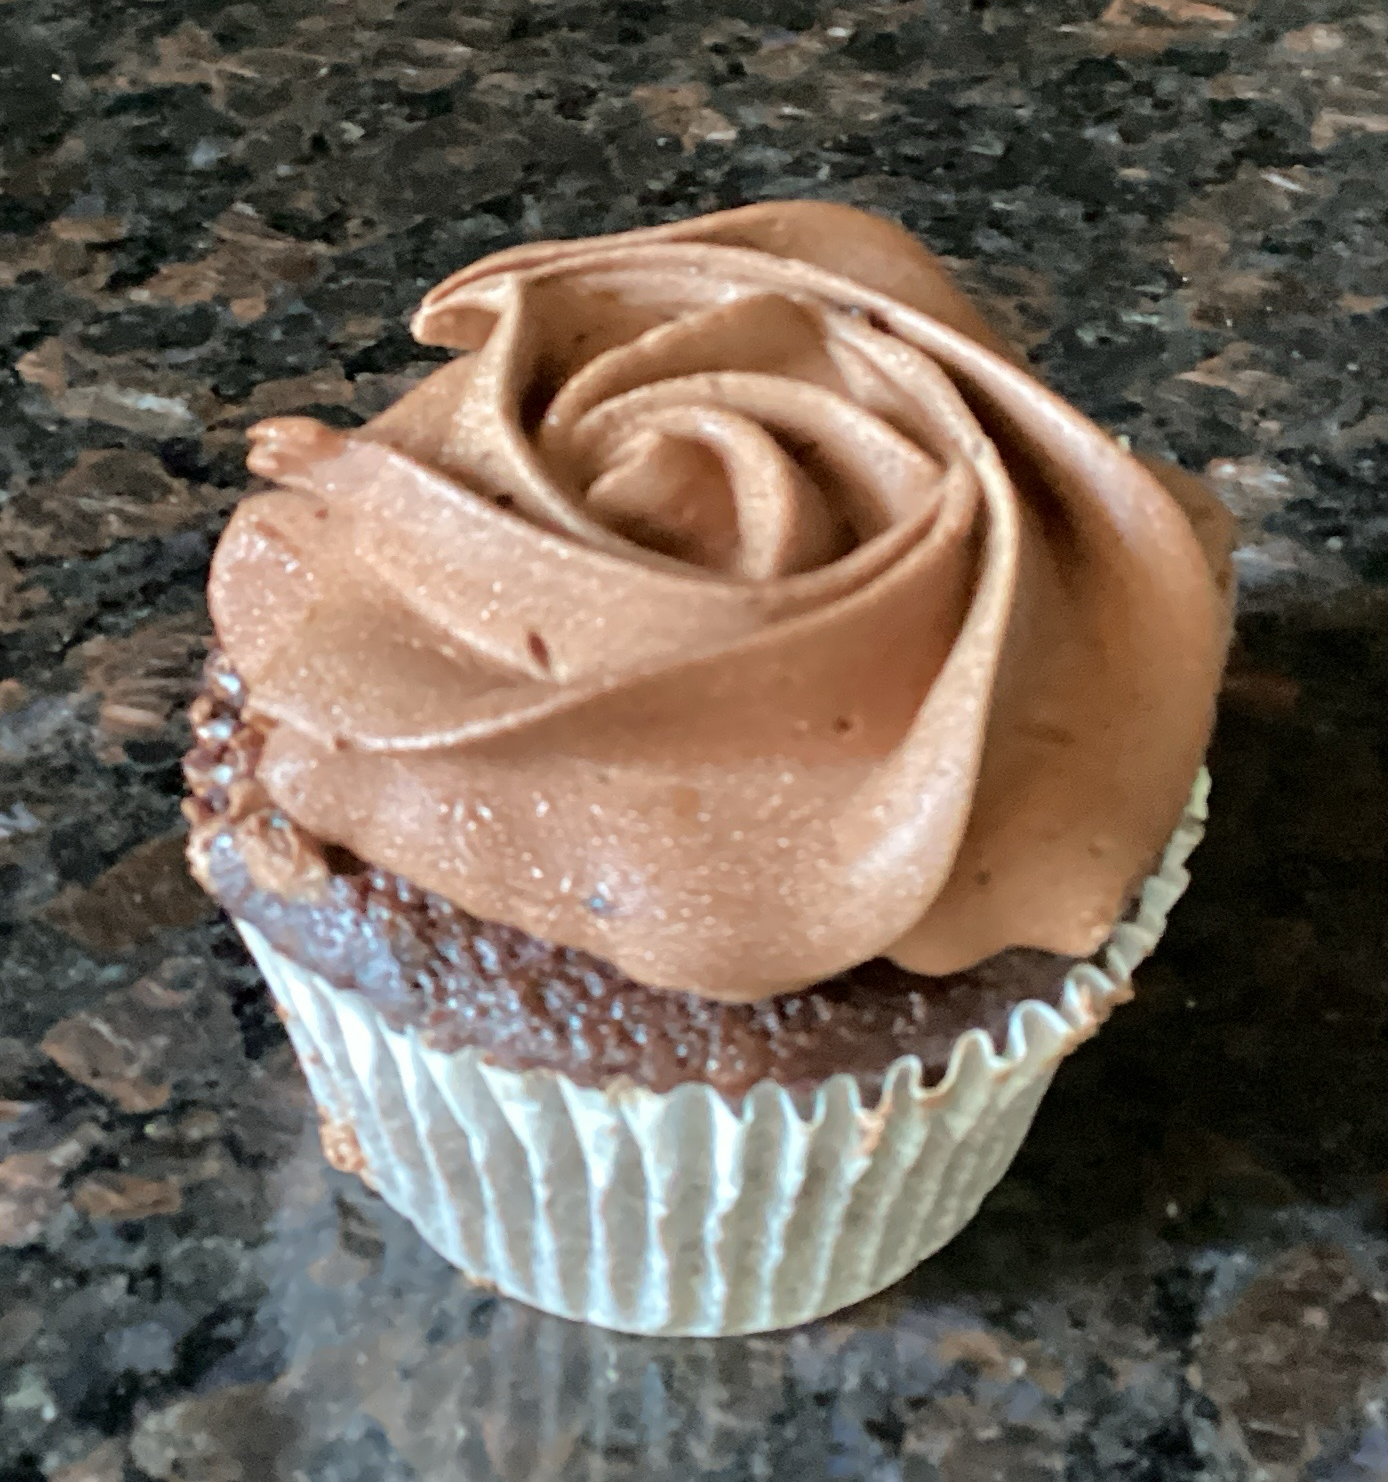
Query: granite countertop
{"x": 213, "y": 212}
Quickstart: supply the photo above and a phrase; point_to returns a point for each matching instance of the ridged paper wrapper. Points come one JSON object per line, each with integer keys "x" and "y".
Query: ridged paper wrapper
{"x": 679, "y": 1212}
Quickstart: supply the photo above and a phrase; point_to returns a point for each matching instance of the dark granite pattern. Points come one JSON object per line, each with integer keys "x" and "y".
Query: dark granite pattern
{"x": 216, "y": 211}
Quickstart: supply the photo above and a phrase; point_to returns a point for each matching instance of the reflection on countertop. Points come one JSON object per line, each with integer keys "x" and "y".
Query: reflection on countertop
{"x": 221, "y": 212}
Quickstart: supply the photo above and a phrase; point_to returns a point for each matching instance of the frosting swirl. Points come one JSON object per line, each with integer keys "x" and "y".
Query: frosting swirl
{"x": 738, "y": 610}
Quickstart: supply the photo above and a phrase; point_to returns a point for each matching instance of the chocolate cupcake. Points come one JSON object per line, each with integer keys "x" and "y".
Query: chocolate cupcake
{"x": 692, "y": 767}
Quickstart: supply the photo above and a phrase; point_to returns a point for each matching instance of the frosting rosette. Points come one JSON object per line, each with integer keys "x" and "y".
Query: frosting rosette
{"x": 737, "y": 609}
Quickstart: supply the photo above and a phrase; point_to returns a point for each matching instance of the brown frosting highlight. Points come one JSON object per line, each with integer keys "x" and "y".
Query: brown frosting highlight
{"x": 737, "y": 610}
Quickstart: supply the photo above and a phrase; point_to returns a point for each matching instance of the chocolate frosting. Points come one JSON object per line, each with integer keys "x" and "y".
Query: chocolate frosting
{"x": 738, "y": 610}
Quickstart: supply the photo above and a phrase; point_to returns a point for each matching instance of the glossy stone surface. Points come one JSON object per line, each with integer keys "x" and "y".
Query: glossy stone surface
{"x": 215, "y": 212}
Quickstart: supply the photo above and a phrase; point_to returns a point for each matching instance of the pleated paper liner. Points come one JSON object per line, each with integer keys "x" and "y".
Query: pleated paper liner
{"x": 675, "y": 1212}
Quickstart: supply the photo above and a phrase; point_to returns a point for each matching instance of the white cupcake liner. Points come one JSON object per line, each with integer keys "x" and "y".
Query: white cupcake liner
{"x": 676, "y": 1212}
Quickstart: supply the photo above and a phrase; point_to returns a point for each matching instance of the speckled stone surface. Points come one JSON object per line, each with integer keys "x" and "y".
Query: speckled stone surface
{"x": 212, "y": 212}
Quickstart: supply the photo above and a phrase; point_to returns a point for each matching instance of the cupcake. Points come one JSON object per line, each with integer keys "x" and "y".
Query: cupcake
{"x": 691, "y": 768}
